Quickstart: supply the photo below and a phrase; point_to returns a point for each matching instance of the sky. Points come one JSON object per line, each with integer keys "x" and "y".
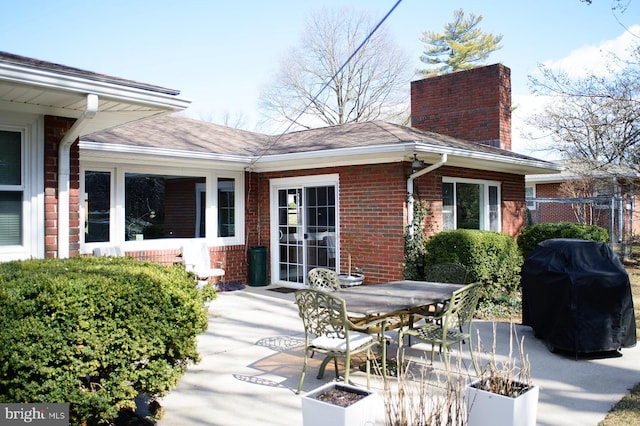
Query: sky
{"x": 221, "y": 54}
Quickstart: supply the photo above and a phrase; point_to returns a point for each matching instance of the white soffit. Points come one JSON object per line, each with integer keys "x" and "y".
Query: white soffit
{"x": 45, "y": 92}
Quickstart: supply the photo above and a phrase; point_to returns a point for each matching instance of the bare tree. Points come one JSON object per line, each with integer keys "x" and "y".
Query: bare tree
{"x": 373, "y": 84}
{"x": 596, "y": 118}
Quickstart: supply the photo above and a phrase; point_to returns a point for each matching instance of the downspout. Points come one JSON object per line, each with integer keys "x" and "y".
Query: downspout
{"x": 64, "y": 172}
{"x": 412, "y": 177}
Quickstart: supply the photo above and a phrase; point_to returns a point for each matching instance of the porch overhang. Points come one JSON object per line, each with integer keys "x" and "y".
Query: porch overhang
{"x": 31, "y": 86}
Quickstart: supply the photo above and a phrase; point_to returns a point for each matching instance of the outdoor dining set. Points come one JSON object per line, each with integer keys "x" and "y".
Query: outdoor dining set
{"x": 340, "y": 322}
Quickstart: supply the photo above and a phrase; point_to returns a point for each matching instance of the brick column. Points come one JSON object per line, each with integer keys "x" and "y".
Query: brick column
{"x": 54, "y": 130}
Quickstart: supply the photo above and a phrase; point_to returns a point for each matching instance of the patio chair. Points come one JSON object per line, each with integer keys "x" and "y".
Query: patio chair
{"x": 323, "y": 279}
{"x": 328, "y": 331}
{"x": 197, "y": 260}
{"x": 451, "y": 327}
{"x": 446, "y": 272}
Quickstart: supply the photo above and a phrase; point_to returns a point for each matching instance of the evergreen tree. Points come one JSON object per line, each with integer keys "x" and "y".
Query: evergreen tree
{"x": 459, "y": 47}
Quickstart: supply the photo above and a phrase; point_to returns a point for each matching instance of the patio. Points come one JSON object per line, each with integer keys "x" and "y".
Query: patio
{"x": 252, "y": 358}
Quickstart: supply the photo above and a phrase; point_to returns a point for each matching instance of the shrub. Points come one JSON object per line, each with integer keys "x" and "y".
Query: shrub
{"x": 95, "y": 332}
{"x": 532, "y": 235}
{"x": 491, "y": 258}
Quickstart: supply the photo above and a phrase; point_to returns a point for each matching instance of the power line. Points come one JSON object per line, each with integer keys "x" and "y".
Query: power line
{"x": 367, "y": 38}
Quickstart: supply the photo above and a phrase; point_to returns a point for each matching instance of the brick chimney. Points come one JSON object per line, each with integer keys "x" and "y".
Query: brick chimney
{"x": 474, "y": 105}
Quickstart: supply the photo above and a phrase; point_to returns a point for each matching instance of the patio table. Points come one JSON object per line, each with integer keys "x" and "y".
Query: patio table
{"x": 394, "y": 301}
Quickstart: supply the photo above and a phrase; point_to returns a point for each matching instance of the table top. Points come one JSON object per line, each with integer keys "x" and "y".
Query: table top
{"x": 398, "y": 296}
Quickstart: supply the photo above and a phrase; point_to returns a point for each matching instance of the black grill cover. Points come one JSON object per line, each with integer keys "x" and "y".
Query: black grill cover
{"x": 576, "y": 296}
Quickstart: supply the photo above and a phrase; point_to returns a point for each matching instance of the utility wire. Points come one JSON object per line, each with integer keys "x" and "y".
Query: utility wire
{"x": 272, "y": 144}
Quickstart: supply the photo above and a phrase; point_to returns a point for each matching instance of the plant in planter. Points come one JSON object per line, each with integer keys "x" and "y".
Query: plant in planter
{"x": 338, "y": 404}
{"x": 504, "y": 395}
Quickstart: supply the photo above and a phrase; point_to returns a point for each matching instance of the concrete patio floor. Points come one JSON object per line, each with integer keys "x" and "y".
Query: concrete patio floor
{"x": 252, "y": 358}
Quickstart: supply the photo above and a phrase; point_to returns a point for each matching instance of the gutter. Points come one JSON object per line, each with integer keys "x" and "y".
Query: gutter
{"x": 410, "y": 179}
{"x": 64, "y": 172}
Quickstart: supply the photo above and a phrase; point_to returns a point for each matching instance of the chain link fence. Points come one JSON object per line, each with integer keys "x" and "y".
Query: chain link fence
{"x": 614, "y": 213}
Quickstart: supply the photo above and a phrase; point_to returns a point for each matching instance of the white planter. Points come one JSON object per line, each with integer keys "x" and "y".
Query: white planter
{"x": 486, "y": 408}
{"x": 320, "y": 413}
{"x": 347, "y": 280}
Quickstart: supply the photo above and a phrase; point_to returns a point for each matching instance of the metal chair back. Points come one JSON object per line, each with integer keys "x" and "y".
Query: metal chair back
{"x": 327, "y": 330}
{"x": 323, "y": 279}
{"x": 451, "y": 327}
{"x": 460, "y": 310}
{"x": 322, "y": 313}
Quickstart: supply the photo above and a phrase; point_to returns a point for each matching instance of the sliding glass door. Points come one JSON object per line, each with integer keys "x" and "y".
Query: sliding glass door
{"x": 306, "y": 231}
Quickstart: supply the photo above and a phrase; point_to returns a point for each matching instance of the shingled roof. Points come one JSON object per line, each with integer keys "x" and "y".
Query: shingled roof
{"x": 185, "y": 134}
{"x": 37, "y": 64}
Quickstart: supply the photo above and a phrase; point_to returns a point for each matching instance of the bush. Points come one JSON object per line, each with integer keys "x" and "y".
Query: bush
{"x": 491, "y": 258}
{"x": 95, "y": 332}
{"x": 532, "y": 235}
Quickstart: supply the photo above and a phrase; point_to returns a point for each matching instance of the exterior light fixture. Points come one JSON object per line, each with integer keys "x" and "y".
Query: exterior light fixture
{"x": 416, "y": 164}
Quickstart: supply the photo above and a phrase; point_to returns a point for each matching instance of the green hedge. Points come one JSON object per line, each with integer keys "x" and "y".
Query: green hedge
{"x": 532, "y": 235}
{"x": 95, "y": 332}
{"x": 491, "y": 258}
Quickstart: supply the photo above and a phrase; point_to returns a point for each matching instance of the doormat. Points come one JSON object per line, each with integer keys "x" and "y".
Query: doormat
{"x": 282, "y": 289}
{"x": 230, "y": 286}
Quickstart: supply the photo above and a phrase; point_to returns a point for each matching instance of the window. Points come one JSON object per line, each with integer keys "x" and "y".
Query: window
{"x": 97, "y": 206}
{"x": 160, "y": 206}
{"x": 226, "y": 207}
{"x": 122, "y": 205}
{"x": 470, "y": 204}
{"x": 11, "y": 188}
{"x": 529, "y": 193}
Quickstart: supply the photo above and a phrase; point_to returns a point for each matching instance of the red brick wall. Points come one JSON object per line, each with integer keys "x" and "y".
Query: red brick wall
{"x": 231, "y": 258}
{"x": 373, "y": 211}
{"x": 372, "y": 216}
{"x": 54, "y": 130}
{"x": 473, "y": 105}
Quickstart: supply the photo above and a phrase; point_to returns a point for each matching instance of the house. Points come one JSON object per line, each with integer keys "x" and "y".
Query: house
{"x": 334, "y": 196}
{"x": 582, "y": 194}
{"x": 44, "y": 109}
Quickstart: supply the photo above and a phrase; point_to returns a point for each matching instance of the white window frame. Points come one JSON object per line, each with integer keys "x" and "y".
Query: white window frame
{"x": 200, "y": 188}
{"x": 531, "y": 205}
{"x": 485, "y": 220}
{"x": 117, "y": 213}
{"x": 299, "y": 181}
{"x": 31, "y": 128}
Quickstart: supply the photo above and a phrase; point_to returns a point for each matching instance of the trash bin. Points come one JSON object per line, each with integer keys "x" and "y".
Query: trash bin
{"x": 257, "y": 266}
